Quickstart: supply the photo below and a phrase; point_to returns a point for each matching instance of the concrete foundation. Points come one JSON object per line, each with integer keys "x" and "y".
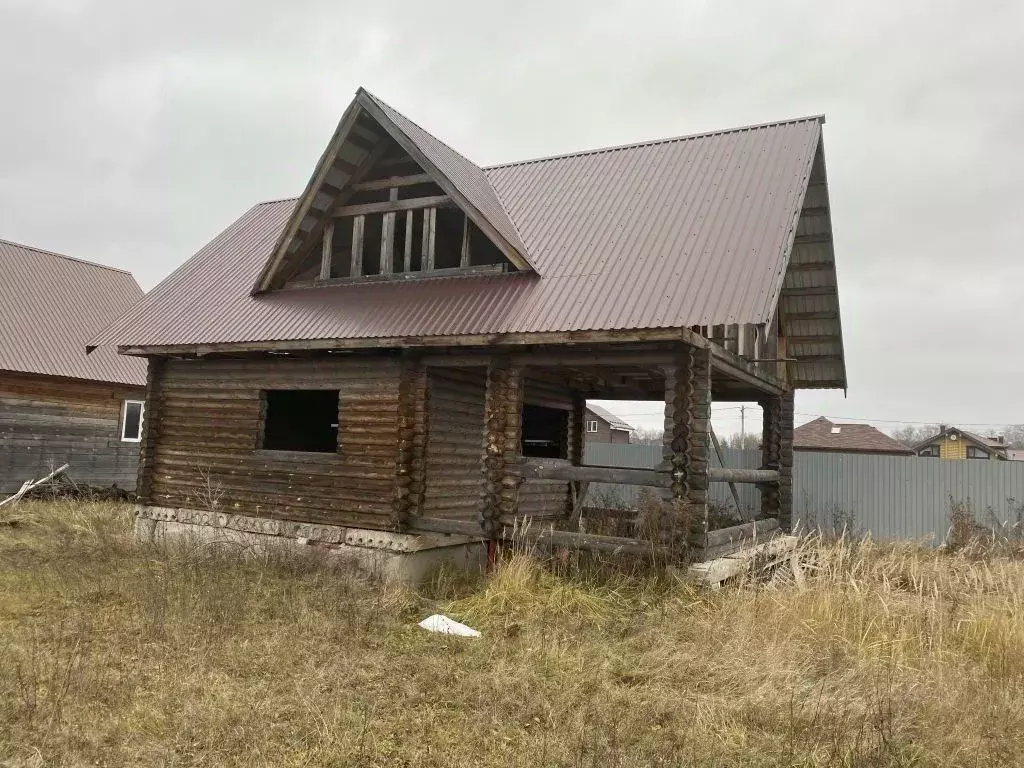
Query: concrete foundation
{"x": 397, "y": 557}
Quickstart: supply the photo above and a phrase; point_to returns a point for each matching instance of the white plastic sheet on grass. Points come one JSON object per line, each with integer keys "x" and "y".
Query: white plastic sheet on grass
{"x": 446, "y": 626}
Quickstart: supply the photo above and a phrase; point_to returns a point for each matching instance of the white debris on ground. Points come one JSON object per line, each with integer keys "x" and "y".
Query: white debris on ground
{"x": 446, "y": 626}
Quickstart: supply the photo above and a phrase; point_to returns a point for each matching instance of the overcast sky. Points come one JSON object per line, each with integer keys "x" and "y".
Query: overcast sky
{"x": 133, "y": 132}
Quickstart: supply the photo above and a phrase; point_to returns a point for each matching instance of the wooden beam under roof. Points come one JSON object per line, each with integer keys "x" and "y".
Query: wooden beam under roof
{"x": 393, "y": 206}
{"x": 392, "y": 181}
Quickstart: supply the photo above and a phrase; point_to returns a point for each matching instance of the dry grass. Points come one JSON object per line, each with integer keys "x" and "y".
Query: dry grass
{"x": 116, "y": 654}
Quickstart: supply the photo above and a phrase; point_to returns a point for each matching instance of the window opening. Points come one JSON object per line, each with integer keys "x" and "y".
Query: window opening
{"x": 545, "y": 432}
{"x": 301, "y": 420}
{"x": 131, "y": 420}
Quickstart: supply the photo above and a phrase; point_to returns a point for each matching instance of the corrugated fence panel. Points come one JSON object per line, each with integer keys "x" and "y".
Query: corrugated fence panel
{"x": 890, "y": 497}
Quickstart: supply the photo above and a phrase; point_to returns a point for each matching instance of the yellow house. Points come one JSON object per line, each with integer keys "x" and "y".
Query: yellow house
{"x": 956, "y": 443}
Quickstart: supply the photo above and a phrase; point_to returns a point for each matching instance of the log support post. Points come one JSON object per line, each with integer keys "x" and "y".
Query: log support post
{"x": 150, "y": 428}
{"x": 686, "y": 445}
{"x": 502, "y": 442}
{"x": 410, "y": 464}
{"x": 777, "y": 454}
{"x": 577, "y": 428}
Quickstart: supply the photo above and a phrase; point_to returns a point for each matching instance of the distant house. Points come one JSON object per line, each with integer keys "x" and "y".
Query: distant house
{"x": 603, "y": 426}
{"x": 1015, "y": 454}
{"x": 956, "y": 443}
{"x": 57, "y": 404}
{"x": 823, "y": 435}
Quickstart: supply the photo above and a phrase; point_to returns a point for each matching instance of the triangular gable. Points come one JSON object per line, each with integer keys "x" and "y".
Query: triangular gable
{"x": 366, "y": 131}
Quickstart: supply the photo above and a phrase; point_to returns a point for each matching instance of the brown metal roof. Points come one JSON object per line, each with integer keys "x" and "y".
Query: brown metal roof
{"x": 665, "y": 234}
{"x": 824, "y": 435}
{"x": 51, "y": 304}
{"x": 613, "y": 421}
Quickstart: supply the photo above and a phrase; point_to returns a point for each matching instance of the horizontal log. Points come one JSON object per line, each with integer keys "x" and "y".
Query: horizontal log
{"x": 576, "y": 540}
{"x": 442, "y": 525}
{"x": 726, "y": 475}
{"x": 560, "y": 469}
{"x": 756, "y": 529}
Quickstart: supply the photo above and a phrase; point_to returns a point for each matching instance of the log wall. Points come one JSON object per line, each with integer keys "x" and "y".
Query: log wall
{"x": 47, "y": 421}
{"x": 201, "y": 442}
{"x": 455, "y": 429}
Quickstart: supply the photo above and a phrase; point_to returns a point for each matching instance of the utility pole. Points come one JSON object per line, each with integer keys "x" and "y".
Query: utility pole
{"x": 743, "y": 428}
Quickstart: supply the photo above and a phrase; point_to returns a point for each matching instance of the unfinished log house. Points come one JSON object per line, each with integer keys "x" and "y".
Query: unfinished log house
{"x": 57, "y": 405}
{"x": 409, "y": 346}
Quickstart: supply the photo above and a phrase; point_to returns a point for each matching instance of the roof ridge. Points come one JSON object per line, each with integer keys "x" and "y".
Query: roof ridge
{"x": 63, "y": 256}
{"x": 429, "y": 133}
{"x": 652, "y": 142}
{"x": 497, "y": 196}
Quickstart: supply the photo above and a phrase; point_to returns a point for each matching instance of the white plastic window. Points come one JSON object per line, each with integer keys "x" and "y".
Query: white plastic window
{"x": 131, "y": 420}
{"x": 591, "y": 426}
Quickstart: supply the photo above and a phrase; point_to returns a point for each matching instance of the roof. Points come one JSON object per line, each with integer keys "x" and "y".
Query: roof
{"x": 613, "y": 421}
{"x": 824, "y": 435}
{"x": 981, "y": 440}
{"x": 49, "y": 307}
{"x": 672, "y": 233}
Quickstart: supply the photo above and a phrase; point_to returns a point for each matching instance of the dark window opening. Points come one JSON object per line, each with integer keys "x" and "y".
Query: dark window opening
{"x": 545, "y": 432}
{"x": 481, "y": 249}
{"x": 973, "y": 452}
{"x": 930, "y": 451}
{"x": 301, "y": 420}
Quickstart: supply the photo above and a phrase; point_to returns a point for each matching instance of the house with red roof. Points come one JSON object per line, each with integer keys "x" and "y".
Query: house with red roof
{"x": 824, "y": 436}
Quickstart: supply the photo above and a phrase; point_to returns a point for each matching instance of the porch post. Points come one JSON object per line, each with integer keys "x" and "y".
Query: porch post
{"x": 577, "y": 428}
{"x": 777, "y": 454}
{"x": 503, "y": 413}
{"x": 686, "y": 442}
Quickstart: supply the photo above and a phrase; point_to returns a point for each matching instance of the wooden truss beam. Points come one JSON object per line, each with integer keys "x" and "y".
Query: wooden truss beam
{"x": 392, "y": 182}
{"x": 392, "y": 206}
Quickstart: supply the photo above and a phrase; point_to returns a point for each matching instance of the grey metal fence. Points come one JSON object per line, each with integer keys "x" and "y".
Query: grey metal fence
{"x": 890, "y": 497}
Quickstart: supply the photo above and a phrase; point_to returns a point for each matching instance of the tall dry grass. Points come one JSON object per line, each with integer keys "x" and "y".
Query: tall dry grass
{"x": 112, "y": 653}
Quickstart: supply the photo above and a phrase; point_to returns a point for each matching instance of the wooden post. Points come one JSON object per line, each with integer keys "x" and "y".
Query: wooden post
{"x": 407, "y": 257}
{"x": 387, "y": 244}
{"x": 502, "y": 438}
{"x": 777, "y": 454}
{"x": 328, "y": 251}
{"x": 427, "y": 255}
{"x": 686, "y": 443}
{"x": 358, "y": 224}
{"x": 150, "y": 428}
{"x": 464, "y": 258}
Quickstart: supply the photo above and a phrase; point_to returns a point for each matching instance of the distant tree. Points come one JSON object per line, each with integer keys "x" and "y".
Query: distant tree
{"x": 1014, "y": 435}
{"x": 646, "y": 437}
{"x": 751, "y": 441}
{"x": 911, "y": 434}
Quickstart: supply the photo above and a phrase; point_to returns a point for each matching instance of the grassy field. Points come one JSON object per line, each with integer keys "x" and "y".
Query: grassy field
{"x": 113, "y": 653}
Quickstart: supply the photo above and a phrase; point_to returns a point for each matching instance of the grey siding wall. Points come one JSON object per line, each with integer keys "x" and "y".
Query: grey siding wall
{"x": 890, "y": 497}
{"x": 46, "y": 422}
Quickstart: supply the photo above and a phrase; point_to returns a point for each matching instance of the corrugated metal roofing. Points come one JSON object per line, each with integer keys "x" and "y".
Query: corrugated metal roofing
{"x": 49, "y": 307}
{"x": 665, "y": 234}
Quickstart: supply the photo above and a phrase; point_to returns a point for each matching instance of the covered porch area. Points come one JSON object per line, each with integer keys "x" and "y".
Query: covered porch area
{"x": 527, "y": 406}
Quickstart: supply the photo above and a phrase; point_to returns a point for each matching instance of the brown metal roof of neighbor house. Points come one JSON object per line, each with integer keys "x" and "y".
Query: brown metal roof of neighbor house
{"x": 822, "y": 435}
{"x": 664, "y": 234}
{"x": 49, "y": 307}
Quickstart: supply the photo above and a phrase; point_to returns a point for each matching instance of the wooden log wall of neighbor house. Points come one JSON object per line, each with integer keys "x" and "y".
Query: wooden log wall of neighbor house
{"x": 205, "y": 444}
{"x": 47, "y": 421}
{"x": 455, "y": 427}
{"x": 544, "y": 499}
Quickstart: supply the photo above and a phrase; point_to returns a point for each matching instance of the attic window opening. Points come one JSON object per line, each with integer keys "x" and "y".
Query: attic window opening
{"x": 974, "y": 452}
{"x": 836, "y": 430}
{"x": 545, "y": 432}
{"x": 300, "y": 420}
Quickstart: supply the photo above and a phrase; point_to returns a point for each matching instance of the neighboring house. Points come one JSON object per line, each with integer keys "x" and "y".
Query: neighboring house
{"x": 410, "y": 345}
{"x": 956, "y": 443}
{"x": 603, "y": 426}
{"x": 57, "y": 405}
{"x": 822, "y": 435}
{"x": 1015, "y": 454}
